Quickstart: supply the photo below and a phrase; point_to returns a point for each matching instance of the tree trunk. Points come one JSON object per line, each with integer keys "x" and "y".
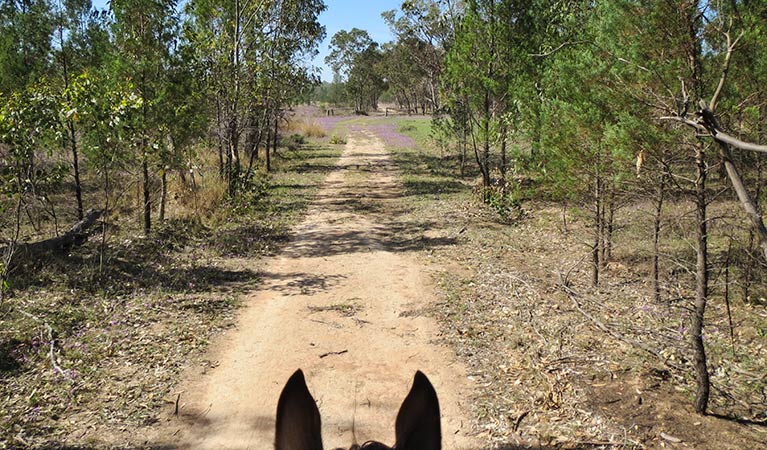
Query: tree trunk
{"x": 464, "y": 146}
{"x": 275, "y": 137}
{"x": 536, "y": 135}
{"x": 660, "y": 196}
{"x": 748, "y": 270}
{"x": 7, "y": 253}
{"x": 486, "y": 144}
{"x": 504, "y": 158}
{"x": 104, "y": 229}
{"x": 71, "y": 129}
{"x": 233, "y": 156}
{"x": 268, "y": 151}
{"x": 602, "y": 226}
{"x": 610, "y": 227}
{"x": 701, "y": 285}
{"x": 595, "y": 253}
{"x": 164, "y": 193}
{"x": 147, "y": 202}
{"x": 222, "y": 169}
{"x": 744, "y": 196}
{"x": 694, "y": 53}
{"x": 233, "y": 163}
{"x": 254, "y": 151}
{"x": 76, "y": 168}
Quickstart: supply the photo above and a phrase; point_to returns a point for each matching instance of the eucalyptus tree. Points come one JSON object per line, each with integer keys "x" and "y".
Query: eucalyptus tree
{"x": 108, "y": 112}
{"x": 366, "y": 82}
{"x": 27, "y": 124}
{"x": 344, "y": 48}
{"x": 281, "y": 56}
{"x": 423, "y": 33}
{"x": 254, "y": 56}
{"x": 145, "y": 34}
{"x": 357, "y": 61}
{"x": 406, "y": 79}
{"x": 81, "y": 43}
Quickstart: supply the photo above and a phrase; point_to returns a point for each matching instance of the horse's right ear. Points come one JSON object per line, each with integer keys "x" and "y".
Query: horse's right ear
{"x": 418, "y": 421}
{"x": 298, "y": 419}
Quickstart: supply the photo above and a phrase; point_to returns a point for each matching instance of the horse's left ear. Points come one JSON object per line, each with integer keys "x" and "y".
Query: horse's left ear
{"x": 299, "y": 425}
{"x": 418, "y": 421}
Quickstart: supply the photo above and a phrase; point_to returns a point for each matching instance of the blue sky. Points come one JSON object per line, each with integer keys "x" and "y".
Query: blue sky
{"x": 344, "y": 15}
{"x": 348, "y": 14}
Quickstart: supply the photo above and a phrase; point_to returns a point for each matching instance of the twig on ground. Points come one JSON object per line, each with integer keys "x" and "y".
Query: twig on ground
{"x": 324, "y": 355}
{"x": 572, "y": 295}
{"x": 52, "y": 348}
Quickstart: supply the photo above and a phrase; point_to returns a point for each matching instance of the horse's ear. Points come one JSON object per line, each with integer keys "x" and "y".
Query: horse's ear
{"x": 418, "y": 423}
{"x": 298, "y": 419}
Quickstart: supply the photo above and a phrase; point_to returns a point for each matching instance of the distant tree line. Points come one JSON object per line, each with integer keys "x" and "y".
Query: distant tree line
{"x": 406, "y": 71}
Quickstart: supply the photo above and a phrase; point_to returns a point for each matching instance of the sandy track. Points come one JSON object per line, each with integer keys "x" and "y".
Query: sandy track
{"x": 341, "y": 302}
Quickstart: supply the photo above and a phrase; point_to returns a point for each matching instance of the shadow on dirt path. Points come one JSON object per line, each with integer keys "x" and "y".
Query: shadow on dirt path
{"x": 341, "y": 302}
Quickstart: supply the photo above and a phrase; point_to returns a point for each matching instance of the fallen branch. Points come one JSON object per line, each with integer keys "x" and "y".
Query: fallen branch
{"x": 572, "y": 295}
{"x": 75, "y": 237}
{"x": 325, "y": 355}
{"x": 560, "y": 47}
{"x": 52, "y": 347}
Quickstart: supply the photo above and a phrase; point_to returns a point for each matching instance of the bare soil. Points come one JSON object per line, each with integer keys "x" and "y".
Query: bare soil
{"x": 345, "y": 302}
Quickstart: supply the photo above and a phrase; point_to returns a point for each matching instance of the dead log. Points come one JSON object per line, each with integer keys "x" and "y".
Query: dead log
{"x": 75, "y": 237}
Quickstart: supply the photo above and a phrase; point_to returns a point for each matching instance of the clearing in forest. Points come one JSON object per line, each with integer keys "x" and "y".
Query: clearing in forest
{"x": 345, "y": 302}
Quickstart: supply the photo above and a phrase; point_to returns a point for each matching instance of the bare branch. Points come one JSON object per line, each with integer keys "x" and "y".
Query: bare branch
{"x": 560, "y": 47}
{"x": 718, "y": 135}
{"x": 726, "y": 69}
{"x": 721, "y": 136}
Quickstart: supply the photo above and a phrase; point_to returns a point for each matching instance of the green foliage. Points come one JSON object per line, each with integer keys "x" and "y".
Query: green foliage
{"x": 249, "y": 59}
{"x": 252, "y": 191}
{"x": 27, "y": 127}
{"x": 293, "y": 142}
{"x": 25, "y": 42}
{"x": 356, "y": 61}
{"x": 109, "y": 112}
{"x": 329, "y": 93}
{"x": 337, "y": 140}
{"x": 414, "y": 63}
{"x": 502, "y": 197}
{"x": 345, "y": 47}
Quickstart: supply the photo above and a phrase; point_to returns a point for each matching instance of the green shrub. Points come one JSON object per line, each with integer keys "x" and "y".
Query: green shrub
{"x": 293, "y": 142}
{"x": 504, "y": 198}
{"x": 337, "y": 140}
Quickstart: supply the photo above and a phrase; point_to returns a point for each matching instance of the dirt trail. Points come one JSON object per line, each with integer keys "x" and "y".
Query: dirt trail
{"x": 342, "y": 303}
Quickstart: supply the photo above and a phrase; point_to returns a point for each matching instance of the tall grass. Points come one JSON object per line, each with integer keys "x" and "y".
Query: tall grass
{"x": 307, "y": 129}
{"x": 200, "y": 191}
{"x": 313, "y": 130}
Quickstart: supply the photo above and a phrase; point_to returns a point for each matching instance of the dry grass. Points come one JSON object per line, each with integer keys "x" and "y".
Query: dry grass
{"x": 313, "y": 130}
{"x": 306, "y": 127}
{"x": 198, "y": 198}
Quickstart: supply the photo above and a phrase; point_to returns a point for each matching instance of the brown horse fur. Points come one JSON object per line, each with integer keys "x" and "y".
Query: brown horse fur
{"x": 299, "y": 423}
